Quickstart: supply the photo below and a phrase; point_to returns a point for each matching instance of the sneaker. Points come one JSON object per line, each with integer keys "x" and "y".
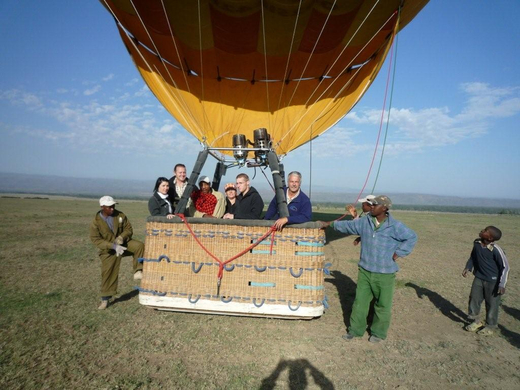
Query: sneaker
{"x": 348, "y": 336}
{"x": 103, "y": 305}
{"x": 486, "y": 331}
{"x": 374, "y": 339}
{"x": 474, "y": 326}
{"x": 138, "y": 275}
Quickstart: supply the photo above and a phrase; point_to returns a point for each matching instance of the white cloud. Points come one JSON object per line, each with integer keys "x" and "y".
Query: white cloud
{"x": 101, "y": 128}
{"x": 337, "y": 142}
{"x": 21, "y": 98}
{"x": 416, "y": 130}
{"x": 109, "y": 77}
{"x": 132, "y": 82}
{"x": 144, "y": 91}
{"x": 168, "y": 128}
{"x": 92, "y": 91}
{"x": 142, "y": 126}
{"x": 486, "y": 102}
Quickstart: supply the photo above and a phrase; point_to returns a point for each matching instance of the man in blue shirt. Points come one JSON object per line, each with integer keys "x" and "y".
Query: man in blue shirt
{"x": 384, "y": 240}
{"x": 299, "y": 204}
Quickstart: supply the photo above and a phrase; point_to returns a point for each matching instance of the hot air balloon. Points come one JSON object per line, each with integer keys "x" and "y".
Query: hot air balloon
{"x": 271, "y": 74}
{"x": 224, "y": 68}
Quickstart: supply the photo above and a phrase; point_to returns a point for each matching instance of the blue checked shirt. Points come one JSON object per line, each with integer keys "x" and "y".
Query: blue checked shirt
{"x": 379, "y": 245}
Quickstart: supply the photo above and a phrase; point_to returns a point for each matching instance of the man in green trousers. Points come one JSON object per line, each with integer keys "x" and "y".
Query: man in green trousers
{"x": 112, "y": 233}
{"x": 383, "y": 241}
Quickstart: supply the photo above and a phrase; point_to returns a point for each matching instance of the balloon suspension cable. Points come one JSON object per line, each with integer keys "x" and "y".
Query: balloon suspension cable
{"x": 346, "y": 69}
{"x": 265, "y": 65}
{"x": 390, "y": 62}
{"x": 389, "y": 104}
{"x": 267, "y": 179}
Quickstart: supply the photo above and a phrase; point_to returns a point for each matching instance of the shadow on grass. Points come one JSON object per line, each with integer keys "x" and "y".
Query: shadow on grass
{"x": 446, "y": 307}
{"x": 346, "y": 292}
{"x": 297, "y": 375}
{"x": 515, "y": 313}
{"x": 512, "y": 337}
{"x": 330, "y": 233}
{"x": 126, "y": 297}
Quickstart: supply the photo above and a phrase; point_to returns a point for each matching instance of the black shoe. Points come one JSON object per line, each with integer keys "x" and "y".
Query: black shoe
{"x": 349, "y": 336}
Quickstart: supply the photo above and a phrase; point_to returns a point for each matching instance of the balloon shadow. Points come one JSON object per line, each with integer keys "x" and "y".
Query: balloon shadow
{"x": 346, "y": 292}
{"x": 515, "y": 313}
{"x": 446, "y": 307}
{"x": 126, "y": 297}
{"x": 298, "y": 370}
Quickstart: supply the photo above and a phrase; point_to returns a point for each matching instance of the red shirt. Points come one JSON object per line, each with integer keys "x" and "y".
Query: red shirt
{"x": 204, "y": 203}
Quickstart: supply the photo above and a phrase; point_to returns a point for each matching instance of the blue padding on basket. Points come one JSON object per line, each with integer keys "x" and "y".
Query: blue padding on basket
{"x": 306, "y": 287}
{"x": 326, "y": 302}
{"x": 326, "y": 268}
{"x": 264, "y": 242}
{"x": 260, "y": 269}
{"x": 154, "y": 292}
{"x": 140, "y": 260}
{"x": 164, "y": 257}
{"x": 305, "y": 243}
{"x": 260, "y": 305}
{"x": 226, "y": 300}
{"x": 193, "y": 267}
{"x": 231, "y": 267}
{"x": 258, "y": 284}
{"x": 297, "y": 307}
{"x": 297, "y": 253}
{"x": 262, "y": 252}
{"x": 296, "y": 275}
{"x": 193, "y": 301}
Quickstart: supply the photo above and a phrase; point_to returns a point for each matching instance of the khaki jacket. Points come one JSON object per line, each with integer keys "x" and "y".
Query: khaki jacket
{"x": 103, "y": 237}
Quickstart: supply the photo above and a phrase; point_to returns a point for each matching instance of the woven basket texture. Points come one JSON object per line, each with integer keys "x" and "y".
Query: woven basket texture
{"x": 286, "y": 267}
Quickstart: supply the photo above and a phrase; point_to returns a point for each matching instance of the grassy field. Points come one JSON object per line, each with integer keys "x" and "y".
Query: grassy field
{"x": 52, "y": 335}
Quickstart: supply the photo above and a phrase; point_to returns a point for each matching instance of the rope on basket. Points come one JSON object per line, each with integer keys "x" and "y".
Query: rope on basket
{"x": 222, "y": 264}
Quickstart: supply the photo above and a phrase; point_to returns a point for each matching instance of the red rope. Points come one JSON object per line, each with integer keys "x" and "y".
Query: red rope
{"x": 221, "y": 263}
{"x": 380, "y": 129}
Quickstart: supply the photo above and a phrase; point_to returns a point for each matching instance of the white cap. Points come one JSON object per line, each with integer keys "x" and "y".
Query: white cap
{"x": 107, "y": 201}
{"x": 204, "y": 179}
{"x": 367, "y": 198}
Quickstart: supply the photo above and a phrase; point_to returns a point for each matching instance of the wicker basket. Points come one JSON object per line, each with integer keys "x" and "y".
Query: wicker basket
{"x": 282, "y": 276}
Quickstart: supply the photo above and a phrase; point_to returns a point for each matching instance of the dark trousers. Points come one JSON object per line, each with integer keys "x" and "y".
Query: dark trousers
{"x": 488, "y": 292}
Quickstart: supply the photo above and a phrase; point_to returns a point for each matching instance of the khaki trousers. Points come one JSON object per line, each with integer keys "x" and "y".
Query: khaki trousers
{"x": 110, "y": 263}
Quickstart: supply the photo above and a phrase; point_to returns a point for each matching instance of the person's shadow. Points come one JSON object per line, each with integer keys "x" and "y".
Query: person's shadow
{"x": 298, "y": 370}
{"x": 126, "y": 297}
{"x": 446, "y": 307}
{"x": 515, "y": 313}
{"x": 512, "y": 337}
{"x": 346, "y": 292}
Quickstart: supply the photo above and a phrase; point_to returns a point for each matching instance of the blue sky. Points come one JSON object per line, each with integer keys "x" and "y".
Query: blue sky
{"x": 73, "y": 104}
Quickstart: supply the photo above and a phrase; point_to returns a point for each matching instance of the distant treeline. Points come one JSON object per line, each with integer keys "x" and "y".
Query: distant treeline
{"x": 442, "y": 209}
{"x": 336, "y": 206}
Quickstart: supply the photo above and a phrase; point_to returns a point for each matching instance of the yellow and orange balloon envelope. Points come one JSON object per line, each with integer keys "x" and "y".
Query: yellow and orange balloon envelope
{"x": 225, "y": 67}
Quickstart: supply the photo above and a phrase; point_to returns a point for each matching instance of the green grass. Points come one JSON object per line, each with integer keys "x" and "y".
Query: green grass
{"x": 53, "y": 336}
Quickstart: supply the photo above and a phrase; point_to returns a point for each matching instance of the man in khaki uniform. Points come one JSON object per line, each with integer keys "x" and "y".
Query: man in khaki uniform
{"x": 112, "y": 233}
